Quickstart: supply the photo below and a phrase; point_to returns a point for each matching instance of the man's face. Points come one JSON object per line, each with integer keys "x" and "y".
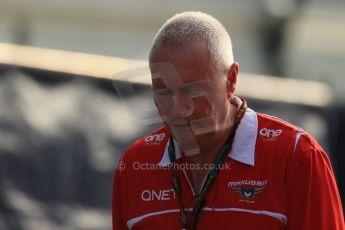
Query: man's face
{"x": 191, "y": 96}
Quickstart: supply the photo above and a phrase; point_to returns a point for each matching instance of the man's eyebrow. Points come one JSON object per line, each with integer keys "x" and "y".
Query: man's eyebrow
{"x": 160, "y": 85}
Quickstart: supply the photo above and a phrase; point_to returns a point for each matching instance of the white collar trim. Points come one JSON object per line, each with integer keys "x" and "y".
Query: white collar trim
{"x": 243, "y": 147}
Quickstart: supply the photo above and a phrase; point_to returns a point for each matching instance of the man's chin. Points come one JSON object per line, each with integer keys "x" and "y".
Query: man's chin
{"x": 186, "y": 139}
{"x": 189, "y": 142}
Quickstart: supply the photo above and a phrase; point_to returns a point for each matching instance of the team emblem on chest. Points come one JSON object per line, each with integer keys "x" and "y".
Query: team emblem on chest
{"x": 247, "y": 189}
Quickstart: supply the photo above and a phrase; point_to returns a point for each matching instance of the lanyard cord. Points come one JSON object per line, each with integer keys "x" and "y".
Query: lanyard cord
{"x": 189, "y": 222}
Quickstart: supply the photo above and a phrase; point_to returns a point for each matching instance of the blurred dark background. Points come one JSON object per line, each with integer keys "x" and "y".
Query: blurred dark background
{"x": 70, "y": 101}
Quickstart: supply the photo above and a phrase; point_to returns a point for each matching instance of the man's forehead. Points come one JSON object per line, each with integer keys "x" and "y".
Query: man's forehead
{"x": 166, "y": 75}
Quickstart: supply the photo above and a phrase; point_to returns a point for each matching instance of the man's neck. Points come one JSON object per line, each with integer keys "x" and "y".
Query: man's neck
{"x": 209, "y": 154}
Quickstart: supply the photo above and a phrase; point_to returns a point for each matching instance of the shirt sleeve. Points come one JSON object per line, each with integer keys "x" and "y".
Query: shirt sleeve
{"x": 118, "y": 203}
{"x": 313, "y": 200}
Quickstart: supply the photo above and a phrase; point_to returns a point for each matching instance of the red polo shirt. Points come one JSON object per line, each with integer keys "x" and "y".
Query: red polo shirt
{"x": 276, "y": 177}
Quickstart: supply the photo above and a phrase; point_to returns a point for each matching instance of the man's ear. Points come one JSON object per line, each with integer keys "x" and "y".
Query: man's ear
{"x": 231, "y": 78}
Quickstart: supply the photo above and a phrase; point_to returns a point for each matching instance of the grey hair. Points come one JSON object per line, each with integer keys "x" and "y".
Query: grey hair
{"x": 191, "y": 26}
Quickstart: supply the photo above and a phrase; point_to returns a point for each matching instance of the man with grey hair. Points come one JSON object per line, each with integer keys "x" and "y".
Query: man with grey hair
{"x": 216, "y": 163}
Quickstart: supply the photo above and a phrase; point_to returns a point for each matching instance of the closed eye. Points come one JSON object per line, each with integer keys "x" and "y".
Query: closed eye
{"x": 163, "y": 92}
{"x": 194, "y": 91}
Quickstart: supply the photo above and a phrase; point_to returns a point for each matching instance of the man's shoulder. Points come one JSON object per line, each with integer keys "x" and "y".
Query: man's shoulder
{"x": 270, "y": 126}
{"x": 148, "y": 148}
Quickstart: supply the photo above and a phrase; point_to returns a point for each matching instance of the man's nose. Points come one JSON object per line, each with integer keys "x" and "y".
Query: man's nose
{"x": 182, "y": 105}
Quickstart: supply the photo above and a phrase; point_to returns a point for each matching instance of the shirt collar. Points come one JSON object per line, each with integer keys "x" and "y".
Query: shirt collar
{"x": 243, "y": 146}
